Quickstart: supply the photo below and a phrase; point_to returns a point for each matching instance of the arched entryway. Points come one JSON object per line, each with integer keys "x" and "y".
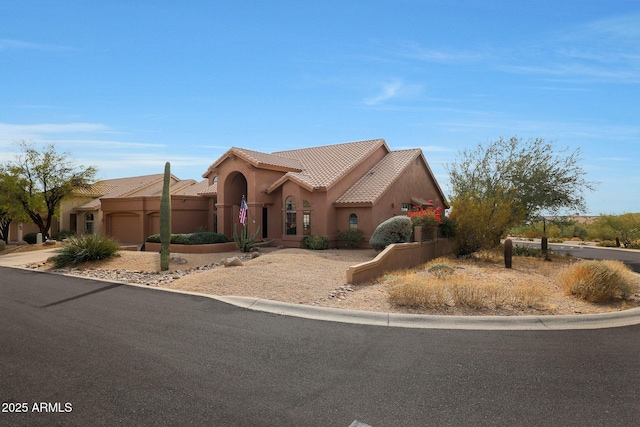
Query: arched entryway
{"x": 234, "y": 187}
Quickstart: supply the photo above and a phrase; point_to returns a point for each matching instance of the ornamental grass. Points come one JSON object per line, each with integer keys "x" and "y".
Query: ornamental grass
{"x": 88, "y": 247}
{"x": 440, "y": 284}
{"x": 599, "y": 281}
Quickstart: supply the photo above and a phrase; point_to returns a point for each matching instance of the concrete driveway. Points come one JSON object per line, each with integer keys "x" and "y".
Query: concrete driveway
{"x": 24, "y": 258}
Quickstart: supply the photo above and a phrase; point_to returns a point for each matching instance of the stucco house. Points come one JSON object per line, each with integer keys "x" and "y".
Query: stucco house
{"x": 319, "y": 190}
{"x": 128, "y": 209}
{"x": 290, "y": 194}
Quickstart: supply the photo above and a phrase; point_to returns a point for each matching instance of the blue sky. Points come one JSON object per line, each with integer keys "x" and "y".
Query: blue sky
{"x": 129, "y": 85}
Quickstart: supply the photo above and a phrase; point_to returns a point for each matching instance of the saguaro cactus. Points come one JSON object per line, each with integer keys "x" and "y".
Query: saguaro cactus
{"x": 508, "y": 253}
{"x": 165, "y": 219}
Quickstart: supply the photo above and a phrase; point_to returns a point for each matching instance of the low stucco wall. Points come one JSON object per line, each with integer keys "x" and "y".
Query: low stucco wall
{"x": 399, "y": 256}
{"x": 194, "y": 249}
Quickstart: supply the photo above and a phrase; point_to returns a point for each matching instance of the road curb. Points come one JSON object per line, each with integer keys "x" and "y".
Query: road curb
{"x": 417, "y": 321}
{"x": 496, "y": 323}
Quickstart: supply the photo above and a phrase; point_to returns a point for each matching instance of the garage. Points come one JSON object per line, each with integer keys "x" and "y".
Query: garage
{"x": 125, "y": 228}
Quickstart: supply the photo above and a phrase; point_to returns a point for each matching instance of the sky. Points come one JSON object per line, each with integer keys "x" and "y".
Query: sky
{"x": 129, "y": 85}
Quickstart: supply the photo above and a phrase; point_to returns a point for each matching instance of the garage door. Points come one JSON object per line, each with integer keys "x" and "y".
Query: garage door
{"x": 126, "y": 228}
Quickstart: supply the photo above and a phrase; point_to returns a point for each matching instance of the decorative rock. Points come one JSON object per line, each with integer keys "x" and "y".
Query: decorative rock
{"x": 232, "y": 262}
{"x": 178, "y": 260}
{"x": 50, "y": 242}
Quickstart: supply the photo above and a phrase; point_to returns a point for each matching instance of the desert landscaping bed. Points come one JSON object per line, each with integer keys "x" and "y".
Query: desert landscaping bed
{"x": 317, "y": 278}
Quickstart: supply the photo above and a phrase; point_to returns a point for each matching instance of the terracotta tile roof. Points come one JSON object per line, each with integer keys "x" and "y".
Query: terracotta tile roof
{"x": 324, "y": 166}
{"x": 123, "y": 186}
{"x": 375, "y": 182}
{"x": 209, "y": 190}
{"x": 193, "y": 189}
{"x": 113, "y": 188}
{"x": 264, "y": 159}
{"x": 259, "y": 160}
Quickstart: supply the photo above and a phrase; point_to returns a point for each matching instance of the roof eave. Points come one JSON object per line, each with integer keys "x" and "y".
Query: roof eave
{"x": 353, "y": 204}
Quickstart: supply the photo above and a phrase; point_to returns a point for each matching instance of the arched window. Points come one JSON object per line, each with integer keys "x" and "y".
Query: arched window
{"x": 353, "y": 221}
{"x": 290, "y": 216}
{"x": 88, "y": 223}
{"x": 306, "y": 217}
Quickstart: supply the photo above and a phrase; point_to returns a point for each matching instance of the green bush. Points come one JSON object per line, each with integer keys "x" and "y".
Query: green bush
{"x": 199, "y": 238}
{"x": 598, "y": 281}
{"x": 317, "y": 243}
{"x": 62, "y": 234}
{"x": 3, "y": 245}
{"x": 352, "y": 238}
{"x": 397, "y": 229}
{"x": 608, "y": 244}
{"x": 448, "y": 227}
{"x": 30, "y": 238}
{"x": 527, "y": 251}
{"x": 88, "y": 247}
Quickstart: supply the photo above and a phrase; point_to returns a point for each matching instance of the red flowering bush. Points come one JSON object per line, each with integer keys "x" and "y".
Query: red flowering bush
{"x": 429, "y": 217}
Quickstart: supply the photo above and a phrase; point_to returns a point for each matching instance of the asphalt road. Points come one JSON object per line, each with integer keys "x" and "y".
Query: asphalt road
{"x": 629, "y": 257}
{"x": 97, "y": 353}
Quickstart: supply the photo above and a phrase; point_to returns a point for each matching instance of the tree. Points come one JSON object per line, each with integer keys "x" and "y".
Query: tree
{"x": 626, "y": 227}
{"x": 37, "y": 181}
{"x": 512, "y": 180}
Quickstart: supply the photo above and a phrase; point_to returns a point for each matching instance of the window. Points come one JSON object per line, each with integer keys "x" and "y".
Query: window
{"x": 405, "y": 207}
{"x": 88, "y": 223}
{"x": 353, "y": 221}
{"x": 306, "y": 218}
{"x": 290, "y": 216}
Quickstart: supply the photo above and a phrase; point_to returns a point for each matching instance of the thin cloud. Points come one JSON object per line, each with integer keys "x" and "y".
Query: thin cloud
{"x": 391, "y": 90}
{"x": 7, "y": 44}
{"x": 606, "y": 50}
{"x": 50, "y": 128}
{"x": 442, "y": 56}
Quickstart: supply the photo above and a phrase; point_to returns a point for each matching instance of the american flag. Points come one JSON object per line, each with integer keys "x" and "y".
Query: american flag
{"x": 243, "y": 212}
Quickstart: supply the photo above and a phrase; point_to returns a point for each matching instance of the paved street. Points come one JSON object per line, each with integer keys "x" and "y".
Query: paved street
{"x": 628, "y": 256}
{"x": 106, "y": 354}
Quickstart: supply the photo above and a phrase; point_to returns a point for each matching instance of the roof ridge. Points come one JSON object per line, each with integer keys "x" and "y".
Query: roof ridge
{"x": 328, "y": 146}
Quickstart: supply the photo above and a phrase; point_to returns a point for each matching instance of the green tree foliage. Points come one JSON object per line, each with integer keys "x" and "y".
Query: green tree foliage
{"x": 38, "y": 180}
{"x": 481, "y": 222}
{"x": 625, "y": 227}
{"x": 511, "y": 180}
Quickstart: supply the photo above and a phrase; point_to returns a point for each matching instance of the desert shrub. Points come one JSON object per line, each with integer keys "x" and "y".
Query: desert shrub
{"x": 598, "y": 281}
{"x": 352, "y": 238}
{"x": 608, "y": 244}
{"x": 448, "y": 227}
{"x": 633, "y": 246}
{"x": 527, "y": 251}
{"x": 397, "y": 229}
{"x": 317, "y": 243}
{"x": 30, "y": 238}
{"x": 199, "y": 238}
{"x": 155, "y": 238}
{"x": 62, "y": 234}
{"x": 440, "y": 269}
{"x": 88, "y": 247}
{"x": 416, "y": 291}
{"x": 556, "y": 240}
